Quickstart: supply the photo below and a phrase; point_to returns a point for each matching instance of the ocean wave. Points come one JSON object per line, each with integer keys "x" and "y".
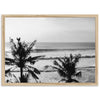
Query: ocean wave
{"x": 50, "y": 50}
{"x": 54, "y": 50}
{"x": 51, "y": 58}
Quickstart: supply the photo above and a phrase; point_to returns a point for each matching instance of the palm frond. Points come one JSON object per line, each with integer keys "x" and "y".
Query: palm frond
{"x": 33, "y": 74}
{"x": 79, "y": 74}
{"x": 63, "y": 62}
{"x": 16, "y": 79}
{"x": 30, "y": 47}
{"x": 34, "y": 58}
{"x": 34, "y": 69}
{"x": 32, "y": 44}
{"x": 25, "y": 45}
{"x": 10, "y": 60}
{"x": 9, "y": 63}
{"x": 13, "y": 44}
{"x": 55, "y": 68}
{"x": 57, "y": 64}
{"x": 62, "y": 73}
{"x": 71, "y": 57}
{"x": 66, "y": 59}
{"x": 8, "y": 70}
{"x": 13, "y": 47}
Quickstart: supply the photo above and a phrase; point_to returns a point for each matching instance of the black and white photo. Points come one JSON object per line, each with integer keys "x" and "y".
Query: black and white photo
{"x": 53, "y": 50}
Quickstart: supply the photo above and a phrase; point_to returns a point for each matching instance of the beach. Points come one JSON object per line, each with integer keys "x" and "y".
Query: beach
{"x": 50, "y": 52}
{"x": 50, "y": 76}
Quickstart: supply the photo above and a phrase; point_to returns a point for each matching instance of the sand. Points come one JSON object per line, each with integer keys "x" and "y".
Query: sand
{"x": 88, "y": 76}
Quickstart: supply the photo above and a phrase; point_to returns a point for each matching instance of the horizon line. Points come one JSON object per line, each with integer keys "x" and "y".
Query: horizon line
{"x": 53, "y": 42}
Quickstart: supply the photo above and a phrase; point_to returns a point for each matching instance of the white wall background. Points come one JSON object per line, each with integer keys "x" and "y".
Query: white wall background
{"x": 49, "y": 92}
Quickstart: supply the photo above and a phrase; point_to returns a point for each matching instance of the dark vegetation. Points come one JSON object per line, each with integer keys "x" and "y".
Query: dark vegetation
{"x": 21, "y": 59}
{"x": 66, "y": 68}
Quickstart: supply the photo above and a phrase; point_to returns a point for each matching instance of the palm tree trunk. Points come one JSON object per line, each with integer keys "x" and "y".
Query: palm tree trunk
{"x": 69, "y": 78}
{"x": 21, "y": 74}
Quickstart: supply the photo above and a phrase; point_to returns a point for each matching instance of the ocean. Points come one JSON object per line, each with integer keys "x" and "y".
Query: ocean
{"x": 53, "y": 45}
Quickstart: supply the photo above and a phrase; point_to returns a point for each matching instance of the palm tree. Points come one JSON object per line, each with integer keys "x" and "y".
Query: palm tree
{"x": 21, "y": 58}
{"x": 66, "y": 67}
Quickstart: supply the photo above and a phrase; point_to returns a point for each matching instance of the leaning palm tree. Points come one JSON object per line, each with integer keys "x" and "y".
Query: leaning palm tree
{"x": 66, "y": 67}
{"x": 21, "y": 59}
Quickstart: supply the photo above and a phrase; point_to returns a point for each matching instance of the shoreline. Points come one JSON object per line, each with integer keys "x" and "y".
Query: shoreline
{"x": 52, "y": 58}
{"x": 78, "y": 68}
{"x": 72, "y": 49}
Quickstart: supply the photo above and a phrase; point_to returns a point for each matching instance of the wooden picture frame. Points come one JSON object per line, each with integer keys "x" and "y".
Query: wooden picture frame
{"x": 49, "y": 16}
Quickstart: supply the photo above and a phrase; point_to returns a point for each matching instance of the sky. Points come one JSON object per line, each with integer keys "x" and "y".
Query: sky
{"x": 50, "y": 29}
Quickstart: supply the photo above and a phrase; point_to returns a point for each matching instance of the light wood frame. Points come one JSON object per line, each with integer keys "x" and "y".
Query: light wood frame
{"x": 46, "y": 84}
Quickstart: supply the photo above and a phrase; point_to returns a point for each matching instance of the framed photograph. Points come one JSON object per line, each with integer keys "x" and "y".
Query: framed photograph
{"x": 49, "y": 50}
